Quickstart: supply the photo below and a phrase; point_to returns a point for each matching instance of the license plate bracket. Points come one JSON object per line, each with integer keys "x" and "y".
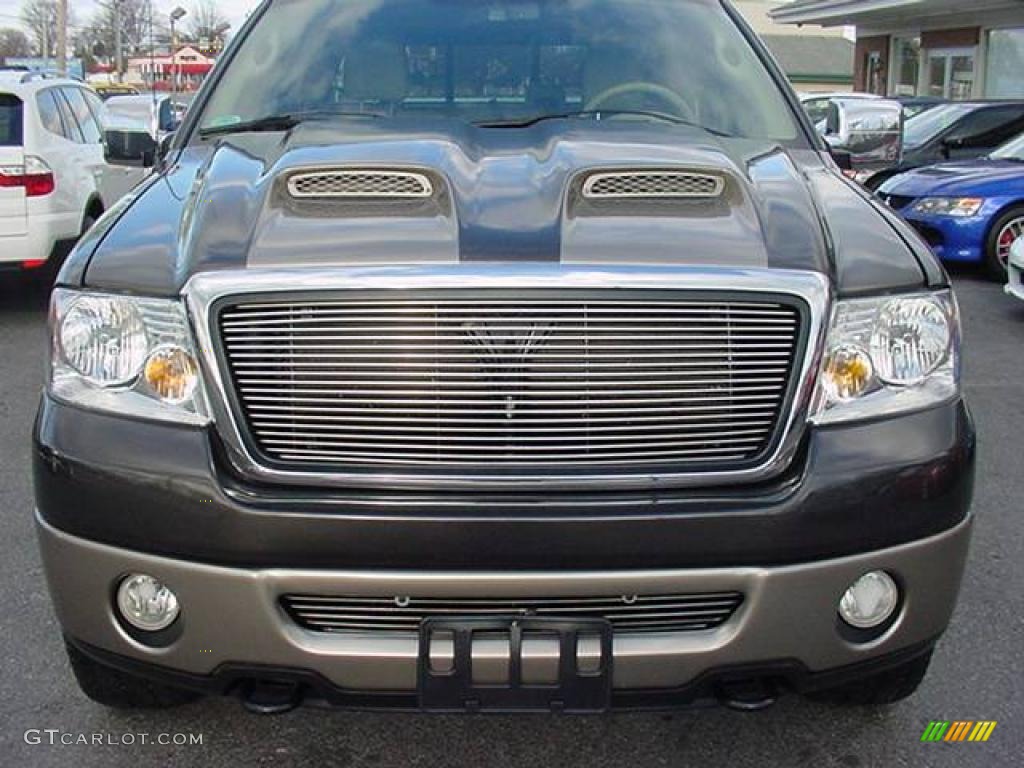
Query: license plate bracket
{"x": 580, "y": 687}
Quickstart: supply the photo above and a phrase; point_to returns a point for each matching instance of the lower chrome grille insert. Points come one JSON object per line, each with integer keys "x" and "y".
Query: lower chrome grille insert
{"x": 402, "y": 613}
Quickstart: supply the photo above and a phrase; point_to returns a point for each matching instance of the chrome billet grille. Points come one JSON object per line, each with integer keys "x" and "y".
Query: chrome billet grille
{"x": 627, "y": 613}
{"x": 633, "y": 184}
{"x": 541, "y": 379}
{"x": 360, "y": 184}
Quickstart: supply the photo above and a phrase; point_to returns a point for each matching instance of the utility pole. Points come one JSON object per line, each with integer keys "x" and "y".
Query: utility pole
{"x": 62, "y": 37}
{"x": 118, "y": 60}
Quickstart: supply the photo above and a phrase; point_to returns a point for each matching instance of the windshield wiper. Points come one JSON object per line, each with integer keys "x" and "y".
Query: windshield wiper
{"x": 280, "y": 122}
{"x": 597, "y": 114}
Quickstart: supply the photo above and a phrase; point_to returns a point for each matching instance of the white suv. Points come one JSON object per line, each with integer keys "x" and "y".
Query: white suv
{"x": 54, "y": 178}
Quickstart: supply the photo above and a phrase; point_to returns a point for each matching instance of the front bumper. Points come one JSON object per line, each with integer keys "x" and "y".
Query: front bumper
{"x": 1015, "y": 268}
{"x": 44, "y": 234}
{"x": 951, "y": 238}
{"x": 231, "y": 619}
{"x": 167, "y": 490}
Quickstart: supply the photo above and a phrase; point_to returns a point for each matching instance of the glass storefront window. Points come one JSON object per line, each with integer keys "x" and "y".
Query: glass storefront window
{"x": 951, "y": 74}
{"x": 961, "y": 77}
{"x": 906, "y": 66}
{"x": 1005, "y": 63}
{"x": 937, "y": 77}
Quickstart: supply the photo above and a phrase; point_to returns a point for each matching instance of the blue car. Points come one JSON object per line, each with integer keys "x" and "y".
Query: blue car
{"x": 969, "y": 211}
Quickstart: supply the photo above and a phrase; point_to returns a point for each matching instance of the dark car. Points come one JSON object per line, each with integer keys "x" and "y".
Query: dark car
{"x": 917, "y": 105}
{"x": 468, "y": 356}
{"x": 970, "y": 211}
{"x": 955, "y": 131}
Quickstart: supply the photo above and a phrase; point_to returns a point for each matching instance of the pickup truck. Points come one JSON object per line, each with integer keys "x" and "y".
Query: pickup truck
{"x": 519, "y": 355}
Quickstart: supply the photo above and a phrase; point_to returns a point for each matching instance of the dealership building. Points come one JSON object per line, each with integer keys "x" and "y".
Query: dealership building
{"x": 947, "y": 48}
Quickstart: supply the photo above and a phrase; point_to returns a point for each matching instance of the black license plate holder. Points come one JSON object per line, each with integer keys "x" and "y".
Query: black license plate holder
{"x": 453, "y": 690}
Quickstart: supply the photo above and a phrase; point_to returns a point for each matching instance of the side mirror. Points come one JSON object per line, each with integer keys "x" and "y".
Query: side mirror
{"x": 130, "y": 148}
{"x": 163, "y": 148}
{"x": 842, "y": 157}
{"x": 950, "y": 143}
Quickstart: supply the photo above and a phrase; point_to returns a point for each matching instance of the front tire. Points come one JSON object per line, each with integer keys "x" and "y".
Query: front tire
{"x": 120, "y": 690}
{"x": 1007, "y": 230}
{"x": 886, "y": 687}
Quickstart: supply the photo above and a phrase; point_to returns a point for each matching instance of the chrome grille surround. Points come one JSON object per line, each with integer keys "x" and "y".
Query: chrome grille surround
{"x": 209, "y": 293}
{"x": 611, "y": 185}
{"x": 365, "y": 183}
{"x": 628, "y": 614}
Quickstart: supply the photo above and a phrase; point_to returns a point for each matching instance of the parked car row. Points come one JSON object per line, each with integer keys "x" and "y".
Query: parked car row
{"x": 66, "y": 156}
{"x": 954, "y": 171}
{"x": 972, "y": 210}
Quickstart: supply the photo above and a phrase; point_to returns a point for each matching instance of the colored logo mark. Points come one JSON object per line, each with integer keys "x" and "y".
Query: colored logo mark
{"x": 958, "y": 730}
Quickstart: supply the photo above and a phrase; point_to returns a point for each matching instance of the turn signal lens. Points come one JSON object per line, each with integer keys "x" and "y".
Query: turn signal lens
{"x": 848, "y": 373}
{"x": 171, "y": 373}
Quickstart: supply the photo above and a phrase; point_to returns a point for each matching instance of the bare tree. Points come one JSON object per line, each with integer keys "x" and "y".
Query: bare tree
{"x": 14, "y": 42}
{"x": 40, "y": 17}
{"x": 140, "y": 27}
{"x": 207, "y": 26}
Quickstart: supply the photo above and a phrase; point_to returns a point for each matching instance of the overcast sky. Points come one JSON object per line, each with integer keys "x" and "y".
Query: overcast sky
{"x": 234, "y": 10}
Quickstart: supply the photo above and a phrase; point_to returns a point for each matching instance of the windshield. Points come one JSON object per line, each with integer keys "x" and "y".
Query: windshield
{"x": 922, "y": 128}
{"x": 1011, "y": 150}
{"x": 501, "y": 61}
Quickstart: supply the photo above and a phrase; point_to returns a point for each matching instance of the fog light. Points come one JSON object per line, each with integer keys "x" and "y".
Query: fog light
{"x": 146, "y": 603}
{"x": 870, "y": 600}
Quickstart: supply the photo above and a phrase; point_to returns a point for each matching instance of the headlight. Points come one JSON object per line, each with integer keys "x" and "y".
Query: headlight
{"x": 887, "y": 355}
{"x": 126, "y": 355}
{"x": 958, "y": 207}
{"x": 103, "y": 339}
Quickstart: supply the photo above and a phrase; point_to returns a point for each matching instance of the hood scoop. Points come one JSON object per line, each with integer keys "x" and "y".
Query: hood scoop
{"x": 360, "y": 184}
{"x": 652, "y": 185}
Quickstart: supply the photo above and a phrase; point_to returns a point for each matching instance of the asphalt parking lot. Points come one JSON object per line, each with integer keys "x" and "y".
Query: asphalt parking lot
{"x": 976, "y": 674}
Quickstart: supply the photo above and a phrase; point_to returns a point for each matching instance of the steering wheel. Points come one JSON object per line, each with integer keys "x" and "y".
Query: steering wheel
{"x": 678, "y": 103}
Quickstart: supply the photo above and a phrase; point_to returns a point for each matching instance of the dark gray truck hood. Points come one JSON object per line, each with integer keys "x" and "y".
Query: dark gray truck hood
{"x": 507, "y": 195}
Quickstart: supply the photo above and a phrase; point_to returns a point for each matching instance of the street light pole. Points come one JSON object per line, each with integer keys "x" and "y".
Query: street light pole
{"x": 176, "y": 15}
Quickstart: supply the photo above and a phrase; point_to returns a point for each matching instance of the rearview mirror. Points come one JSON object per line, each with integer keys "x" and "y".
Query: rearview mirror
{"x": 130, "y": 148}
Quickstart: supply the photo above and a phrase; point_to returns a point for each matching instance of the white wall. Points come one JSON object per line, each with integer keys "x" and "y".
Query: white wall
{"x": 756, "y": 14}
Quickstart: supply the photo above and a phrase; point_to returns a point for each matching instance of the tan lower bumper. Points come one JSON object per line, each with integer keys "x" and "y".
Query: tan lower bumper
{"x": 233, "y": 614}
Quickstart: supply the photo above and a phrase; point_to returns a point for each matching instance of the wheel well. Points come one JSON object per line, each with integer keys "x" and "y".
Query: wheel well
{"x": 94, "y": 208}
{"x": 991, "y": 231}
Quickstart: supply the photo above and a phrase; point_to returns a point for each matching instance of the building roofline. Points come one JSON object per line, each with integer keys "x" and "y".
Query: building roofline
{"x": 832, "y": 12}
